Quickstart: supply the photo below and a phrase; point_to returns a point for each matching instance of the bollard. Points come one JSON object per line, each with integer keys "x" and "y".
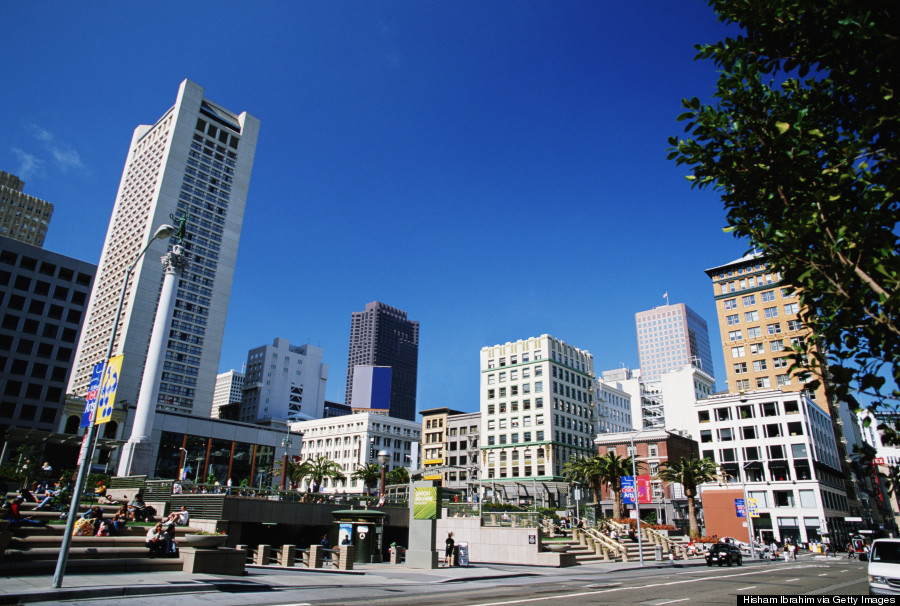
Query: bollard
{"x": 288, "y": 555}
{"x": 604, "y": 551}
{"x": 263, "y": 554}
{"x": 247, "y": 551}
{"x": 315, "y": 556}
{"x": 345, "y": 557}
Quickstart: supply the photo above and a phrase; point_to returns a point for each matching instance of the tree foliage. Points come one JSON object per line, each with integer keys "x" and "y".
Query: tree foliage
{"x": 690, "y": 473}
{"x": 801, "y": 141}
{"x": 369, "y": 474}
{"x": 400, "y": 475}
{"x": 584, "y": 470}
{"x": 610, "y": 469}
{"x": 317, "y": 471}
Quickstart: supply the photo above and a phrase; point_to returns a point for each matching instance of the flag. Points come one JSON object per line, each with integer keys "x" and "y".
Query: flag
{"x": 666, "y": 295}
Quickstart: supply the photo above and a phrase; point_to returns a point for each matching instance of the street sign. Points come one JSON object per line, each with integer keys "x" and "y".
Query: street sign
{"x": 628, "y": 496}
{"x": 90, "y": 400}
{"x": 107, "y": 398}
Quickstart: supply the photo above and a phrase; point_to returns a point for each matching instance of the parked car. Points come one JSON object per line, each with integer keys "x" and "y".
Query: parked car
{"x": 724, "y": 553}
{"x": 884, "y": 567}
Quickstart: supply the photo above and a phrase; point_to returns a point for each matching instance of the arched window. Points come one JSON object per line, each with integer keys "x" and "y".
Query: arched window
{"x": 110, "y": 431}
{"x": 72, "y": 424}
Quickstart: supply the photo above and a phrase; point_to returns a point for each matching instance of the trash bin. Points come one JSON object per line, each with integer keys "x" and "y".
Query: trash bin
{"x": 658, "y": 551}
{"x": 462, "y": 553}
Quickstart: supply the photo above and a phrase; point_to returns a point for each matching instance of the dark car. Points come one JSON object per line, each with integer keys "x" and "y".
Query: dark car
{"x": 723, "y": 553}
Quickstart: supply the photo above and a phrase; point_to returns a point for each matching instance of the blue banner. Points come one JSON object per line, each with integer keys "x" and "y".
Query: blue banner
{"x": 628, "y": 496}
{"x": 90, "y": 400}
{"x": 739, "y": 508}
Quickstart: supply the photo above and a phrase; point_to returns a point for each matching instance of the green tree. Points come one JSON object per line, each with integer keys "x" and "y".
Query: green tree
{"x": 317, "y": 471}
{"x": 610, "y": 469}
{"x": 690, "y": 473}
{"x": 370, "y": 474}
{"x": 400, "y": 475}
{"x": 801, "y": 142}
{"x": 584, "y": 470}
{"x": 291, "y": 471}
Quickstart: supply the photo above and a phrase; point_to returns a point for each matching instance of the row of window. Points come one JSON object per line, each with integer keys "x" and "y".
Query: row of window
{"x": 756, "y": 332}
{"x": 749, "y": 411}
{"x": 752, "y": 432}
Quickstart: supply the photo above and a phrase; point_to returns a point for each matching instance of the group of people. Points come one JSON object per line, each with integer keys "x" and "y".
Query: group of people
{"x": 161, "y": 541}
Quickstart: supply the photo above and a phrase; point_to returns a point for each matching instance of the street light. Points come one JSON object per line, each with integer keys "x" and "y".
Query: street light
{"x": 87, "y": 452}
{"x": 286, "y": 443}
{"x": 747, "y": 511}
{"x": 637, "y": 500}
{"x": 383, "y": 457}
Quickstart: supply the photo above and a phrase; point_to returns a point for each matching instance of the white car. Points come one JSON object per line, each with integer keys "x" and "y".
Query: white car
{"x": 884, "y": 567}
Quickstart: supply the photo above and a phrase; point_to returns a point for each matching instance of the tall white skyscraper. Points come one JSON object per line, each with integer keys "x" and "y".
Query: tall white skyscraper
{"x": 195, "y": 161}
{"x": 670, "y": 336}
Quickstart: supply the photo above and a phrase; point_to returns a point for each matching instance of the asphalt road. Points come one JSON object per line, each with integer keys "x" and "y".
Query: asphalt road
{"x": 652, "y": 587}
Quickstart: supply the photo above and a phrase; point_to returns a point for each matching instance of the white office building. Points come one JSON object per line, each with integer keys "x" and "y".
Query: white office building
{"x": 194, "y": 161}
{"x": 354, "y": 440}
{"x": 779, "y": 447}
{"x": 613, "y": 408}
{"x": 284, "y": 382}
{"x": 229, "y": 390}
{"x": 537, "y": 409}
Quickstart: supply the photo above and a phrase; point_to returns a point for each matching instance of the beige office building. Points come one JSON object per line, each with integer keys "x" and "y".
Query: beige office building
{"x": 22, "y": 217}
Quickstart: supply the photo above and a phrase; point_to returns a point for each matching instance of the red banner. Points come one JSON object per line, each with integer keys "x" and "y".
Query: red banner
{"x": 645, "y": 489}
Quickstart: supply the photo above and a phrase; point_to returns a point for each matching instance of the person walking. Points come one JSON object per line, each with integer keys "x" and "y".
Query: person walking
{"x": 448, "y": 551}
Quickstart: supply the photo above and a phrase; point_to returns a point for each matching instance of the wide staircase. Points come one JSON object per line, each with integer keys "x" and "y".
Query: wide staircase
{"x": 35, "y": 549}
{"x": 592, "y": 545}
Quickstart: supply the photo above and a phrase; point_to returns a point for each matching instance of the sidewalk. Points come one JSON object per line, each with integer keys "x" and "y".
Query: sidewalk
{"x": 25, "y": 589}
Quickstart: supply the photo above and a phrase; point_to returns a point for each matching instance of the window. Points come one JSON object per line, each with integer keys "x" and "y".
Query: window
{"x": 757, "y": 348}
{"x": 742, "y": 384}
{"x": 794, "y": 325}
{"x": 732, "y": 320}
{"x": 491, "y": 379}
{"x": 502, "y": 377}
{"x": 808, "y": 499}
{"x": 798, "y": 451}
{"x": 773, "y": 430}
{"x": 769, "y": 409}
{"x": 490, "y": 394}
{"x": 771, "y": 312}
{"x": 734, "y": 335}
{"x": 783, "y": 498}
{"x": 723, "y": 414}
{"x": 759, "y": 365}
{"x": 740, "y": 368}
{"x": 730, "y": 303}
{"x": 782, "y": 379}
{"x": 539, "y": 386}
{"x": 727, "y": 455}
{"x": 745, "y": 411}
{"x": 748, "y": 432}
{"x": 781, "y": 362}
{"x": 726, "y": 434}
{"x": 774, "y": 329}
{"x": 706, "y": 435}
{"x": 751, "y": 453}
{"x": 737, "y": 352}
{"x": 763, "y": 382}
{"x": 791, "y": 308}
{"x": 776, "y": 451}
{"x": 751, "y": 316}
{"x": 754, "y": 332}
{"x": 748, "y": 300}
{"x": 703, "y": 416}
{"x": 777, "y": 345}
{"x": 768, "y": 296}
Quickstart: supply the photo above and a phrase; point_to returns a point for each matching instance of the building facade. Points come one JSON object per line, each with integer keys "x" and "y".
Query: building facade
{"x": 613, "y": 408}
{"x": 780, "y": 447}
{"x": 284, "y": 382}
{"x": 194, "y": 162}
{"x": 382, "y": 335}
{"x": 669, "y": 337}
{"x": 537, "y": 409}
{"x": 450, "y": 445}
{"x": 228, "y": 395}
{"x": 43, "y": 297}
{"x": 22, "y": 217}
{"x": 651, "y": 448}
{"x": 353, "y": 440}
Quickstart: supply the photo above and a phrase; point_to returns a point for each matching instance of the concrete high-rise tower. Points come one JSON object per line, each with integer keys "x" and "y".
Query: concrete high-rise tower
{"x": 382, "y": 335}
{"x": 671, "y": 337}
{"x": 195, "y": 161}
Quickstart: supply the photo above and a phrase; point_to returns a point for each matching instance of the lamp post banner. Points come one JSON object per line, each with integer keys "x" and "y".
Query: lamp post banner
{"x": 628, "y": 490}
{"x": 90, "y": 400}
{"x": 107, "y": 399}
{"x": 739, "y": 508}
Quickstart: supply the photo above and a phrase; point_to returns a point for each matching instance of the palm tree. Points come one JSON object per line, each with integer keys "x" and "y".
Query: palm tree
{"x": 584, "y": 470}
{"x": 689, "y": 472}
{"x": 370, "y": 474}
{"x": 400, "y": 475}
{"x": 317, "y": 470}
{"x": 291, "y": 470}
{"x": 611, "y": 467}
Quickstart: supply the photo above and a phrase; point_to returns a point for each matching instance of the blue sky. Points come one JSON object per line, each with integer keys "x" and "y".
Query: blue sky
{"x": 496, "y": 169}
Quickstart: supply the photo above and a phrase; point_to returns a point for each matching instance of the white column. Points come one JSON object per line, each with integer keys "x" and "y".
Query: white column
{"x": 137, "y": 453}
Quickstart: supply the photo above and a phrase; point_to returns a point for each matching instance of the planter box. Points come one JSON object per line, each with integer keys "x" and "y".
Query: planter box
{"x": 205, "y": 541}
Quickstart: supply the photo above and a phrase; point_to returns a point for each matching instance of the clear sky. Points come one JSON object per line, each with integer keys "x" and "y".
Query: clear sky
{"x": 496, "y": 169}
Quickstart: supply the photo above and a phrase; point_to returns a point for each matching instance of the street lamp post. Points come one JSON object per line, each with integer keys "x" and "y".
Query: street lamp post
{"x": 637, "y": 500}
{"x": 747, "y": 513}
{"x": 383, "y": 457}
{"x": 286, "y": 443}
{"x": 87, "y": 452}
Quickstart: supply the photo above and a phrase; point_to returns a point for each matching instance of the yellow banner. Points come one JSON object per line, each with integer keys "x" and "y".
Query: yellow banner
{"x": 107, "y": 398}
